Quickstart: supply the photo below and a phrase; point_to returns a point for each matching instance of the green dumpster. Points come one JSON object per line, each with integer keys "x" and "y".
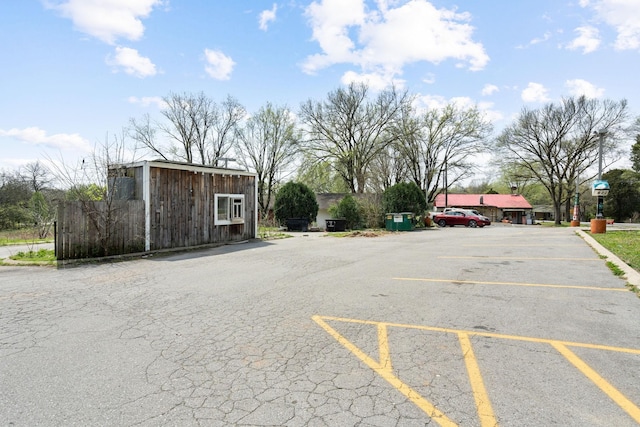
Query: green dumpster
{"x": 402, "y": 221}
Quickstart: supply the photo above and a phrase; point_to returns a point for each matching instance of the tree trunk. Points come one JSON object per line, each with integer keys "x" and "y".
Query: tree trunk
{"x": 557, "y": 209}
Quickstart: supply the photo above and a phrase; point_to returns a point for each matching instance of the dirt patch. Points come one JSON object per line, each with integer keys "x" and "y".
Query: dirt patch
{"x": 366, "y": 234}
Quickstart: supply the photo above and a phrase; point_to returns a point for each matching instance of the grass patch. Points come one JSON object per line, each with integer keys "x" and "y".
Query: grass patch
{"x": 624, "y": 244}
{"x": 271, "y": 233}
{"x": 39, "y": 257}
{"x": 553, "y": 224}
{"x": 23, "y": 236}
{"x": 617, "y": 271}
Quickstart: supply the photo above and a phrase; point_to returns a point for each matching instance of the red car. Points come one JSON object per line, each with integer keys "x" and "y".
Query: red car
{"x": 467, "y": 219}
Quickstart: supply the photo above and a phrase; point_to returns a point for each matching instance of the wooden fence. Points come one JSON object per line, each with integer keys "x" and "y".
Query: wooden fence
{"x": 98, "y": 229}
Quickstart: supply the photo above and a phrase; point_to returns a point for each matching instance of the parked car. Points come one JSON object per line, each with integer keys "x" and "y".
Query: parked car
{"x": 475, "y": 212}
{"x": 445, "y": 210}
{"x": 460, "y": 217}
{"x": 471, "y": 211}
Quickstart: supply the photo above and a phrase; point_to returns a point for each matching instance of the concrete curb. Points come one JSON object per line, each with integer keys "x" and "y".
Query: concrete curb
{"x": 631, "y": 275}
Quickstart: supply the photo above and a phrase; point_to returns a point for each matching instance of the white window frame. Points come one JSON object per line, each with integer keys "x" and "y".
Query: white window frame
{"x": 235, "y": 209}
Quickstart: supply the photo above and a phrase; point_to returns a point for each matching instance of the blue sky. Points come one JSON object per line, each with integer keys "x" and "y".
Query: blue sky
{"x": 75, "y": 71}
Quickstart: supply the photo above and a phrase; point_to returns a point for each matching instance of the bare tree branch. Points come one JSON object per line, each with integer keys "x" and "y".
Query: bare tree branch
{"x": 351, "y": 130}
{"x": 557, "y": 143}
{"x": 266, "y": 145}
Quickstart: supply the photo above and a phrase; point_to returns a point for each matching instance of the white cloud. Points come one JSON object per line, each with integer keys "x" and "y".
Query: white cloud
{"x": 384, "y": 40}
{"x": 132, "y": 63}
{"x": 535, "y": 92}
{"x": 430, "y": 102}
{"x": 429, "y": 78}
{"x": 579, "y": 87}
{"x": 330, "y": 21}
{"x": 375, "y": 81}
{"x": 623, "y": 16}
{"x": 146, "y": 101}
{"x": 219, "y": 66}
{"x": 588, "y": 39}
{"x": 37, "y": 136}
{"x": 106, "y": 20}
{"x": 267, "y": 16}
{"x": 542, "y": 39}
{"x": 489, "y": 89}
{"x": 490, "y": 114}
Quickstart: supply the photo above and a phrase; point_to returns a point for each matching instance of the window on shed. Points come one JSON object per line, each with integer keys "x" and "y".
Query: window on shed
{"x": 229, "y": 209}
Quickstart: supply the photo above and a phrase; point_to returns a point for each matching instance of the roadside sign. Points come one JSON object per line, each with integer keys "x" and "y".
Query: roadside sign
{"x": 600, "y": 188}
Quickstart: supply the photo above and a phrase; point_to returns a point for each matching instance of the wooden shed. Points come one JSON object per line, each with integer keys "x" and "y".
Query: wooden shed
{"x": 189, "y": 205}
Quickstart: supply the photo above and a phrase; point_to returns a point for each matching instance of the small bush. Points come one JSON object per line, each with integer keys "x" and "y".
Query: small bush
{"x": 350, "y": 210}
{"x": 372, "y": 211}
{"x": 404, "y": 197}
{"x": 295, "y": 200}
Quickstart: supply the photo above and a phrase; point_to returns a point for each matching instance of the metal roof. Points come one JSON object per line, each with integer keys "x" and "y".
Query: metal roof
{"x": 193, "y": 167}
{"x": 500, "y": 201}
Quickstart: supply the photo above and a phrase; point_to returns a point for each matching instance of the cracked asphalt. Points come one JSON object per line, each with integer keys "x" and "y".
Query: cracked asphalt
{"x": 231, "y": 336}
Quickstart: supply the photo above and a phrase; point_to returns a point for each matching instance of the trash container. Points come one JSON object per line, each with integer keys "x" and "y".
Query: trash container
{"x": 402, "y": 221}
{"x": 297, "y": 224}
{"x": 336, "y": 224}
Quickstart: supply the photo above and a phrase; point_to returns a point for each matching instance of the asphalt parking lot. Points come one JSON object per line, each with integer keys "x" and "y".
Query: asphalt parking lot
{"x": 504, "y": 325}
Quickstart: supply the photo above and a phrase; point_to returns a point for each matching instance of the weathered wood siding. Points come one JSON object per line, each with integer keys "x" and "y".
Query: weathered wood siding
{"x": 97, "y": 229}
{"x": 182, "y": 207}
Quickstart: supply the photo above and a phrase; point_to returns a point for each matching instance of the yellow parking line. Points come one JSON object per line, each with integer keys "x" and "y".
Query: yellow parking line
{"x": 523, "y": 245}
{"x": 539, "y": 285}
{"x": 383, "y": 346}
{"x": 518, "y": 258}
{"x": 483, "y": 404}
{"x": 613, "y": 393}
{"x": 387, "y": 374}
{"x": 486, "y": 334}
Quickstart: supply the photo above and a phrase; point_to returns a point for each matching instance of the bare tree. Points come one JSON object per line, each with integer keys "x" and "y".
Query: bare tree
{"x": 440, "y": 144}
{"x": 351, "y": 130}
{"x": 89, "y": 183}
{"x": 559, "y": 142}
{"x": 319, "y": 175}
{"x": 37, "y": 175}
{"x": 42, "y": 200}
{"x": 226, "y": 119}
{"x": 387, "y": 169}
{"x": 266, "y": 145}
{"x": 184, "y": 114}
{"x": 42, "y": 213}
{"x": 516, "y": 178}
{"x": 144, "y": 132}
{"x": 197, "y": 128}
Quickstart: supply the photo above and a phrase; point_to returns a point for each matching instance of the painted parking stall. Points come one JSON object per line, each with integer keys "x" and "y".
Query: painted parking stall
{"x": 501, "y": 325}
{"x": 382, "y": 364}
